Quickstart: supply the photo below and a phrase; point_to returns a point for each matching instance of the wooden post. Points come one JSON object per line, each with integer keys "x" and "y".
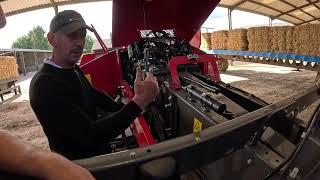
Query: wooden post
{"x": 35, "y": 54}
{"x": 23, "y": 63}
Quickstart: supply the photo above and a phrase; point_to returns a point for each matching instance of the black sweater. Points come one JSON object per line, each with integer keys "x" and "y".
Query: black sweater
{"x": 68, "y": 107}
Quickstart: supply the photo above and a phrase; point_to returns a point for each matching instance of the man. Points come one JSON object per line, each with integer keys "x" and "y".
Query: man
{"x": 21, "y": 158}
{"x": 68, "y": 107}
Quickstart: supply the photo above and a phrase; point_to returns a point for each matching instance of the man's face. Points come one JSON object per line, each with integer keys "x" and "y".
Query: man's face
{"x": 69, "y": 47}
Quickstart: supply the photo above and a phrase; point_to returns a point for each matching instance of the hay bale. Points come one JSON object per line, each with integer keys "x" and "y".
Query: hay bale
{"x": 314, "y": 37}
{"x": 237, "y": 40}
{"x": 278, "y": 39}
{"x": 290, "y": 39}
{"x": 8, "y": 67}
{"x": 206, "y": 41}
{"x": 251, "y": 41}
{"x": 307, "y": 39}
{"x": 219, "y": 40}
{"x": 262, "y": 39}
{"x": 259, "y": 39}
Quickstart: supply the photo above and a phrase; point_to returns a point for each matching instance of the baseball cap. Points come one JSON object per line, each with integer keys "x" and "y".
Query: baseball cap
{"x": 68, "y": 21}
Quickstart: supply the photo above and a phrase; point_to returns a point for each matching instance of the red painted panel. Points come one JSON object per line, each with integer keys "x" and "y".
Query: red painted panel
{"x": 104, "y": 72}
{"x": 185, "y": 16}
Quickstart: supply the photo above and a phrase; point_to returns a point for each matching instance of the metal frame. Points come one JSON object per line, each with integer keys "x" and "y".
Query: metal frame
{"x": 10, "y": 82}
{"x": 185, "y": 150}
{"x": 196, "y": 150}
{"x": 281, "y": 13}
{"x": 51, "y": 4}
{"x": 273, "y": 61}
{"x": 56, "y": 4}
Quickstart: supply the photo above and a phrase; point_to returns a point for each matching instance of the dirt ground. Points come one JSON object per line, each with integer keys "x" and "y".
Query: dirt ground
{"x": 271, "y": 83}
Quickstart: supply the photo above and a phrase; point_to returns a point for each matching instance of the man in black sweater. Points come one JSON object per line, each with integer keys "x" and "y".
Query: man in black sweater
{"x": 22, "y": 158}
{"x": 68, "y": 107}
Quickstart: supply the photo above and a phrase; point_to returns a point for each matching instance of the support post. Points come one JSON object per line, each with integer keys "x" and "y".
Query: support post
{"x": 35, "y": 54}
{"x": 55, "y": 6}
{"x": 23, "y": 64}
{"x": 270, "y": 22}
{"x": 230, "y": 18}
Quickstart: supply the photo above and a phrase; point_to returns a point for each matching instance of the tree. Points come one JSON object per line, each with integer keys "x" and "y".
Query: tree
{"x": 23, "y": 42}
{"x": 38, "y": 38}
{"x": 35, "y": 39}
{"x": 89, "y": 43}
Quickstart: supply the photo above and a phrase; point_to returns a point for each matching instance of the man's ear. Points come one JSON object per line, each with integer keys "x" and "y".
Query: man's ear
{"x": 52, "y": 38}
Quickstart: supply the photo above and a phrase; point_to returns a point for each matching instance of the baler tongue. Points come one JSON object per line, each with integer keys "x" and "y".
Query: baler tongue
{"x": 184, "y": 16}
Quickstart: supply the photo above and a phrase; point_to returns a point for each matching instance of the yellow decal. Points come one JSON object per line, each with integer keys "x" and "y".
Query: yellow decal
{"x": 197, "y": 125}
{"x": 88, "y": 77}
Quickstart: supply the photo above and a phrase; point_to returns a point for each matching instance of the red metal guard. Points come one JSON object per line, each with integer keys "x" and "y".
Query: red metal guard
{"x": 139, "y": 125}
{"x": 203, "y": 60}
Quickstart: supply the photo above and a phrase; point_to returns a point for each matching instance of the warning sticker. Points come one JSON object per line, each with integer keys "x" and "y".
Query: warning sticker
{"x": 197, "y": 125}
{"x": 88, "y": 77}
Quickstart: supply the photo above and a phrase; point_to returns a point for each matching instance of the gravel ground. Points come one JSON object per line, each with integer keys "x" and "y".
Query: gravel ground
{"x": 271, "y": 83}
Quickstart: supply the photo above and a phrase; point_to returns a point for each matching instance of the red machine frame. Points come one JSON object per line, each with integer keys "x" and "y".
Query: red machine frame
{"x": 104, "y": 70}
{"x": 104, "y": 73}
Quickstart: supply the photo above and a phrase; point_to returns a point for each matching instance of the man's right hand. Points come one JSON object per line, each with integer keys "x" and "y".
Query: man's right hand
{"x": 145, "y": 90}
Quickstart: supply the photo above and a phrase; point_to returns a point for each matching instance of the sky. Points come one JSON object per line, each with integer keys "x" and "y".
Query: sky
{"x": 100, "y": 15}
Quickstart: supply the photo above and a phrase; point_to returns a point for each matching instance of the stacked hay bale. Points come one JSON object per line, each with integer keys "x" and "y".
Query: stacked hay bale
{"x": 206, "y": 41}
{"x": 290, "y": 39}
{"x": 278, "y": 39}
{"x": 262, "y": 39}
{"x": 306, "y": 40}
{"x": 302, "y": 39}
{"x": 251, "y": 39}
{"x": 8, "y": 67}
{"x": 219, "y": 40}
{"x": 259, "y": 39}
{"x": 237, "y": 40}
{"x": 314, "y": 40}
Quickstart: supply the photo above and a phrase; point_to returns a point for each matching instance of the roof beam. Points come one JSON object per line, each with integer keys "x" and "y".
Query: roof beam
{"x": 286, "y": 2}
{"x": 317, "y": 19}
{"x": 297, "y": 8}
{"x": 281, "y": 12}
{"x": 315, "y": 5}
{"x": 255, "y": 12}
{"x": 237, "y": 4}
{"x": 48, "y": 5}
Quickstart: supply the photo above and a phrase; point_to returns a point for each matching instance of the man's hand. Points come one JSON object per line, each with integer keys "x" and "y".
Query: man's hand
{"x": 22, "y": 158}
{"x": 145, "y": 91}
{"x": 58, "y": 167}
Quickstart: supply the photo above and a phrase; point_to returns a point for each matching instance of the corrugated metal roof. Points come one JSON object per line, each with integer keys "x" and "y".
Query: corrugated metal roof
{"x": 12, "y": 7}
{"x": 296, "y": 12}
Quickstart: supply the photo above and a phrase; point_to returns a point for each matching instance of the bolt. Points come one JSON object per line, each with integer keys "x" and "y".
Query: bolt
{"x": 197, "y": 139}
{"x": 249, "y": 161}
{"x": 132, "y": 154}
{"x": 167, "y": 105}
{"x": 293, "y": 174}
